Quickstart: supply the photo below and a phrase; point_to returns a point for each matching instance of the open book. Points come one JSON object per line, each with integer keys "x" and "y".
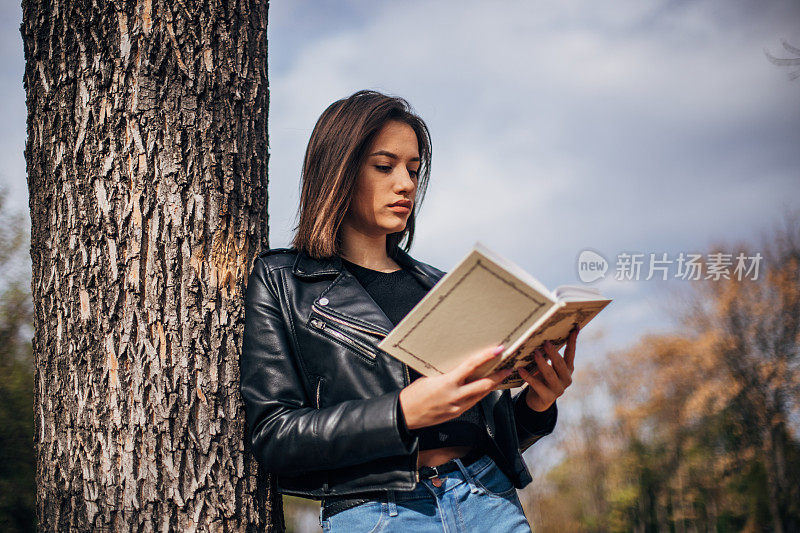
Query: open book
{"x": 484, "y": 301}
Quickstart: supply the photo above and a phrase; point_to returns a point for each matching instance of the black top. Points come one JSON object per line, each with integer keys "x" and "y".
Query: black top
{"x": 396, "y": 293}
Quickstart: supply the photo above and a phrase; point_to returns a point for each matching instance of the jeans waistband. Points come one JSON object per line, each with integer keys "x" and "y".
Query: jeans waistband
{"x": 335, "y": 504}
{"x": 463, "y": 472}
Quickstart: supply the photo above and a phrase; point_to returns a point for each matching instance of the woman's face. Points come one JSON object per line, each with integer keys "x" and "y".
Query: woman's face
{"x": 387, "y": 182}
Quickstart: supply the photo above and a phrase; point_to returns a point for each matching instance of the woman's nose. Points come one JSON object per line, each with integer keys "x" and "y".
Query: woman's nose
{"x": 405, "y": 181}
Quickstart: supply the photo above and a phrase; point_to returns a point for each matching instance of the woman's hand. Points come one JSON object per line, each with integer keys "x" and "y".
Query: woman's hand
{"x": 432, "y": 400}
{"x": 550, "y": 382}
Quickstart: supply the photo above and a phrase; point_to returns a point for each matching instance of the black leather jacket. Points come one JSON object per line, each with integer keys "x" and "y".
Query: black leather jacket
{"x": 322, "y": 401}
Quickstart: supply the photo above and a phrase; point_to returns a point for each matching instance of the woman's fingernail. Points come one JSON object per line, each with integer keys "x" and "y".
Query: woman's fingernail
{"x": 499, "y": 350}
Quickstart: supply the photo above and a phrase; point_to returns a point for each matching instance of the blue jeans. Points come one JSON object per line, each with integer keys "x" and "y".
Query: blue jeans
{"x": 475, "y": 498}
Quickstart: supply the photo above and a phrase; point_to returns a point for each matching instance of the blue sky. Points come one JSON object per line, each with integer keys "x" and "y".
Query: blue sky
{"x": 617, "y": 126}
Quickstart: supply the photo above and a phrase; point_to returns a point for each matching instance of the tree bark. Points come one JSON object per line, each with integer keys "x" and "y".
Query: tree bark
{"x": 147, "y": 158}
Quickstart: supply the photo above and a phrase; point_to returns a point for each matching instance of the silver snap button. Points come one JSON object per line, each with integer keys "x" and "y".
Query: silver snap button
{"x": 323, "y": 301}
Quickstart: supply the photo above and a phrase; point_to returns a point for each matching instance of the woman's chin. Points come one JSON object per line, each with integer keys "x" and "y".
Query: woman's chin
{"x": 394, "y": 228}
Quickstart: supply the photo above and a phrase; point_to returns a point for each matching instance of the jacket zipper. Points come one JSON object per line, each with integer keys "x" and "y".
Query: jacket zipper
{"x": 324, "y": 326}
{"x": 348, "y": 324}
{"x": 319, "y": 387}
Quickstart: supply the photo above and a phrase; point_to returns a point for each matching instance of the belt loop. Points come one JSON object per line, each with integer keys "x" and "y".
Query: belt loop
{"x": 473, "y": 488}
{"x": 392, "y": 504}
{"x": 321, "y": 511}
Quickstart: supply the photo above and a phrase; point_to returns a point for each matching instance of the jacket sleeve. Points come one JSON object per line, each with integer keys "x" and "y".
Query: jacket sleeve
{"x": 287, "y": 434}
{"x": 532, "y": 425}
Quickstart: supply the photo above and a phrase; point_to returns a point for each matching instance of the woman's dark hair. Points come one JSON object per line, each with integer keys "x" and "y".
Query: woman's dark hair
{"x": 336, "y": 150}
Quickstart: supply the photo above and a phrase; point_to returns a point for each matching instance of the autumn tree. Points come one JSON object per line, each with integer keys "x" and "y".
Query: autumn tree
{"x": 147, "y": 172}
{"x": 700, "y": 436}
{"x": 710, "y": 405}
{"x": 756, "y": 332}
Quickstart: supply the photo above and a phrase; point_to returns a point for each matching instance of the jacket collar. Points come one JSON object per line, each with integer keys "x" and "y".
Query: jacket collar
{"x": 306, "y": 266}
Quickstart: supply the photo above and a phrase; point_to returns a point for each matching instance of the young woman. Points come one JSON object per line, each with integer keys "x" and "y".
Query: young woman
{"x": 328, "y": 413}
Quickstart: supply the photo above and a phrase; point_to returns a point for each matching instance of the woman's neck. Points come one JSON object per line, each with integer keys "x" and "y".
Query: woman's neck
{"x": 368, "y": 251}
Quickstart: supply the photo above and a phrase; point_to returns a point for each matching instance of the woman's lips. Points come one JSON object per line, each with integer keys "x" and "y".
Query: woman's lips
{"x": 399, "y": 208}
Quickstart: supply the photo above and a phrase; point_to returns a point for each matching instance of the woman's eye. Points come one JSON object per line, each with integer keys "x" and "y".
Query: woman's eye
{"x": 383, "y": 168}
{"x": 414, "y": 173}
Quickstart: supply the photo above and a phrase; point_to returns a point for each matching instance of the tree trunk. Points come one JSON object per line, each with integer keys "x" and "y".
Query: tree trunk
{"x": 147, "y": 169}
{"x": 773, "y": 453}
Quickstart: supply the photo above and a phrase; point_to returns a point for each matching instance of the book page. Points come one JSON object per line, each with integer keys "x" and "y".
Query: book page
{"x": 556, "y": 328}
{"x": 574, "y": 292}
{"x": 475, "y": 306}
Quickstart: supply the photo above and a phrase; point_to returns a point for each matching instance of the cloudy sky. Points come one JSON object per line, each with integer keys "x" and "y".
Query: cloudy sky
{"x": 625, "y": 126}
